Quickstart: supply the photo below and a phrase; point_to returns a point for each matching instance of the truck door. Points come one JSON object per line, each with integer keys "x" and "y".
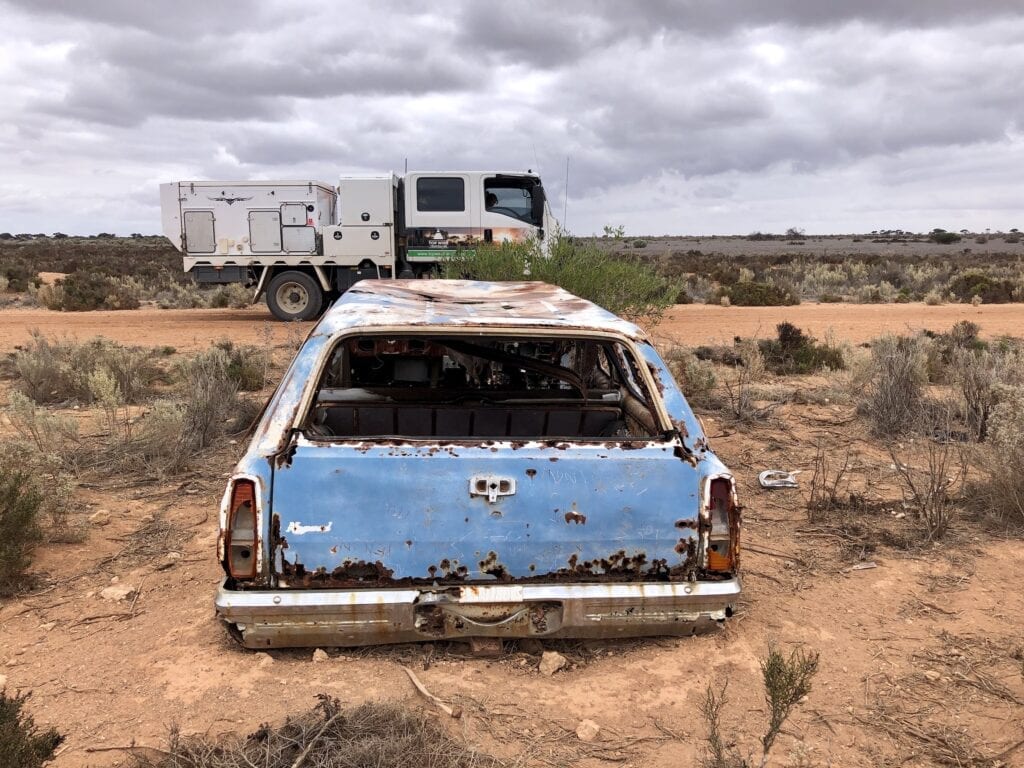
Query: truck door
{"x": 509, "y": 212}
{"x": 440, "y": 214}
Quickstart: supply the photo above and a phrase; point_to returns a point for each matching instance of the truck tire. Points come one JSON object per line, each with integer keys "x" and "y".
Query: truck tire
{"x": 294, "y": 296}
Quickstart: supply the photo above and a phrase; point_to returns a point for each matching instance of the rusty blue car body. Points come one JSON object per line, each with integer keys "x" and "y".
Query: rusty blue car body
{"x": 456, "y": 459}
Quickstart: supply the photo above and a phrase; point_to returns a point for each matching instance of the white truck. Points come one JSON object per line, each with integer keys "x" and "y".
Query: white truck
{"x": 303, "y": 243}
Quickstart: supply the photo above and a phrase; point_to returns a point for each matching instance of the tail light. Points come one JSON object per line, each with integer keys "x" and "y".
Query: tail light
{"x": 240, "y": 549}
{"x": 722, "y": 546}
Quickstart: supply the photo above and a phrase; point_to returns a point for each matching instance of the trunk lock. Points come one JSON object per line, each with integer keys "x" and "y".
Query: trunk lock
{"x": 491, "y": 486}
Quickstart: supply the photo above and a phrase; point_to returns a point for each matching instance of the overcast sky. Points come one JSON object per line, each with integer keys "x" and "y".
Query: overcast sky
{"x": 678, "y": 117}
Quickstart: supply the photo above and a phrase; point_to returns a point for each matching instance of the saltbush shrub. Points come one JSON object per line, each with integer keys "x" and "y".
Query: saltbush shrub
{"x": 895, "y": 396}
{"x": 55, "y": 371}
{"x": 84, "y": 291}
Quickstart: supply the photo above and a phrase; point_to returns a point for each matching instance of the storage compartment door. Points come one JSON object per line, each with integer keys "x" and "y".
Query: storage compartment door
{"x": 299, "y": 239}
{"x": 265, "y": 231}
{"x": 199, "y": 237}
{"x": 293, "y": 214}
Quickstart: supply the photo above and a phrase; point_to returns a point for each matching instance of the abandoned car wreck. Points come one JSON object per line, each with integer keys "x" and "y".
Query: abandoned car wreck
{"x": 457, "y": 459}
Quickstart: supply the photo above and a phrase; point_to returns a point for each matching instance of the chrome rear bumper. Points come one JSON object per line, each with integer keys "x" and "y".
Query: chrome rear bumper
{"x": 286, "y": 618}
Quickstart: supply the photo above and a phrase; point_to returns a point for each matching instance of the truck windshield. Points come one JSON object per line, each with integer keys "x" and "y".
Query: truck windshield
{"x": 512, "y": 197}
{"x": 453, "y": 387}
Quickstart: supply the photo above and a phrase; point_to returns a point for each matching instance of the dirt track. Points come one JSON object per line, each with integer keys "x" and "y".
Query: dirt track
{"x": 689, "y": 324}
{"x": 908, "y": 632}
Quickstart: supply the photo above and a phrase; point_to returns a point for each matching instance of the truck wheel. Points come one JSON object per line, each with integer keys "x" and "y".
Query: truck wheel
{"x": 294, "y": 296}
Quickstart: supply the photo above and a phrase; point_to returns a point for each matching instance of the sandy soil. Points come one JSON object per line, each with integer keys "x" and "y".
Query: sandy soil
{"x": 929, "y": 635}
{"x": 187, "y": 329}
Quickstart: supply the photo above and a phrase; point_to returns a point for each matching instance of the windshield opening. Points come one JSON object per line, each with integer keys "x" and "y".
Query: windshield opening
{"x": 462, "y": 387}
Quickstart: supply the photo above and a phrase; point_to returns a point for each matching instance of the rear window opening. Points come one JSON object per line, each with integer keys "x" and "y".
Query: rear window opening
{"x": 464, "y": 387}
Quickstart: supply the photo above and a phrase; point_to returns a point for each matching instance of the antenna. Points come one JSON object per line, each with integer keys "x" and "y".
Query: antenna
{"x": 565, "y": 197}
{"x": 406, "y": 171}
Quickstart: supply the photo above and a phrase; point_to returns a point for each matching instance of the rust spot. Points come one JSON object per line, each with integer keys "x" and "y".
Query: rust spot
{"x": 573, "y": 516}
{"x": 682, "y": 524}
{"x": 531, "y": 473}
{"x": 408, "y": 543}
{"x": 334, "y": 549}
{"x": 492, "y": 567}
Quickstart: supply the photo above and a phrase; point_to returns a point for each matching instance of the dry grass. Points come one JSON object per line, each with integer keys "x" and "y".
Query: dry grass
{"x": 374, "y": 734}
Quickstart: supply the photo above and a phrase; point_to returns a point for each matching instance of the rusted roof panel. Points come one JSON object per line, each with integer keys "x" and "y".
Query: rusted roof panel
{"x": 468, "y": 303}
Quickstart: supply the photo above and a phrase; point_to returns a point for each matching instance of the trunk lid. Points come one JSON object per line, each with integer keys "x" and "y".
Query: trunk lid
{"x": 392, "y": 511}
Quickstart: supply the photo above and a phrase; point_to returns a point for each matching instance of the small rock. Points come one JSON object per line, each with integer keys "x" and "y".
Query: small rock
{"x": 900, "y": 515}
{"x": 100, "y": 517}
{"x": 48, "y": 626}
{"x": 932, "y": 675}
{"x": 551, "y": 662}
{"x": 117, "y": 592}
{"x": 170, "y": 560}
{"x": 587, "y": 730}
{"x": 264, "y": 659}
{"x": 320, "y": 655}
{"x": 3, "y": 682}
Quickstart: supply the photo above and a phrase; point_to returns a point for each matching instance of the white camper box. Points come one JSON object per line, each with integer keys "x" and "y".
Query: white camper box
{"x": 219, "y": 224}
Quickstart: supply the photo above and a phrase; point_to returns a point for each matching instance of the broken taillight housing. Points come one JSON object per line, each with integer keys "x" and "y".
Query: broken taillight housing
{"x": 240, "y": 549}
{"x": 720, "y": 544}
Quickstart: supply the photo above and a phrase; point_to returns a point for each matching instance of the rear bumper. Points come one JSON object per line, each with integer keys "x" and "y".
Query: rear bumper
{"x": 287, "y": 618}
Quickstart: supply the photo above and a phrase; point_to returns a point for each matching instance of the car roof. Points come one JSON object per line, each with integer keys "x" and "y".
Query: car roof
{"x": 468, "y": 304}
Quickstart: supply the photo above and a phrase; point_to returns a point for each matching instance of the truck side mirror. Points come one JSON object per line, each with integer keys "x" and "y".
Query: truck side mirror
{"x": 537, "y": 205}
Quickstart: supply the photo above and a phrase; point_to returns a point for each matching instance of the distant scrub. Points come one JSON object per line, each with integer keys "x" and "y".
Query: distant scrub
{"x": 833, "y": 276}
{"x": 944, "y": 238}
{"x": 759, "y": 295}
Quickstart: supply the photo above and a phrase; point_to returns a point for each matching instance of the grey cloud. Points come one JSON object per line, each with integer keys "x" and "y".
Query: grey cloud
{"x": 683, "y": 93}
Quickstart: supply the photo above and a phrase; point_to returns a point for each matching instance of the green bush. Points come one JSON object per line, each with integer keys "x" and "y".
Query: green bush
{"x": 19, "y": 530}
{"x": 639, "y": 243}
{"x": 84, "y": 291}
{"x": 794, "y": 352}
{"x": 22, "y": 744}
{"x": 752, "y": 294}
{"x": 627, "y": 288}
